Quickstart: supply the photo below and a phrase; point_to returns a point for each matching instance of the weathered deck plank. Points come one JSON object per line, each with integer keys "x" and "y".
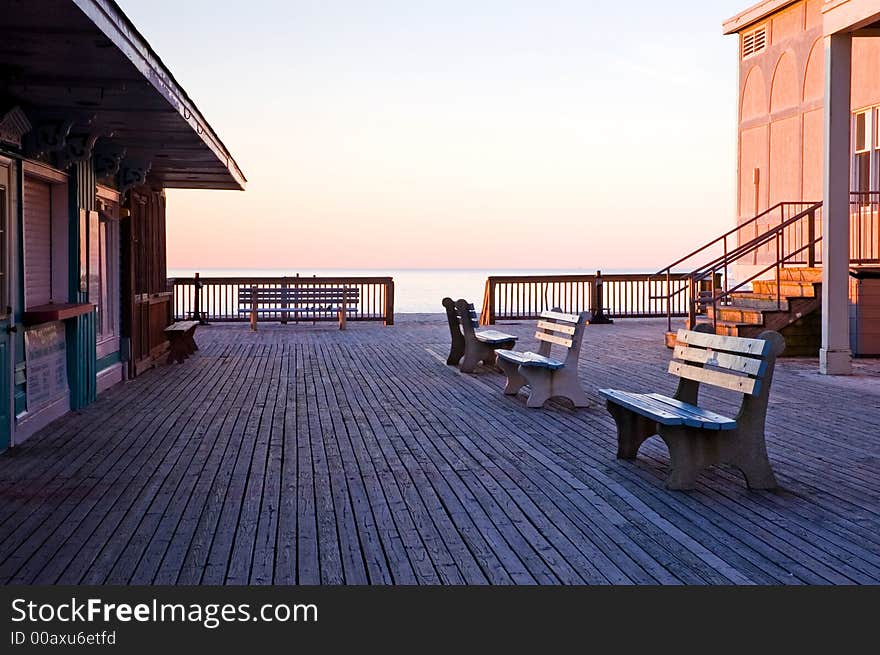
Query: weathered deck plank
{"x": 306, "y": 455}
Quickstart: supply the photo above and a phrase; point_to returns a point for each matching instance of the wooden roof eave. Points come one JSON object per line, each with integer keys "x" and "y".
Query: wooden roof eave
{"x": 115, "y": 25}
{"x": 754, "y": 14}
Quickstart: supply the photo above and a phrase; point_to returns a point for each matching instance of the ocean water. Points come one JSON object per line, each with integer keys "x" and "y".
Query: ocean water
{"x": 415, "y": 290}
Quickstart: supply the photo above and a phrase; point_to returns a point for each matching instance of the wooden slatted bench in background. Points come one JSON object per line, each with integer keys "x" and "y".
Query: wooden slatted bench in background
{"x": 181, "y": 340}
{"x": 307, "y": 302}
{"x": 548, "y": 377}
{"x": 471, "y": 345}
{"x": 696, "y": 437}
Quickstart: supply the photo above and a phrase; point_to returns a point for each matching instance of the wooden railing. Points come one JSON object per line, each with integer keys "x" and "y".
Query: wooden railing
{"x": 631, "y": 295}
{"x": 865, "y": 227}
{"x": 216, "y": 299}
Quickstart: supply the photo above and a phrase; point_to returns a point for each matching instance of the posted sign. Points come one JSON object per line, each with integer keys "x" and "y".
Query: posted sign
{"x": 46, "y": 360}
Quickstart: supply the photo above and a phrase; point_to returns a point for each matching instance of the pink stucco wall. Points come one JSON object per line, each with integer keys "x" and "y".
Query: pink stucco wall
{"x": 781, "y": 117}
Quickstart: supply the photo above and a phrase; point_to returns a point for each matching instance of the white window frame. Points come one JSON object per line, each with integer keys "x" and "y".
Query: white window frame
{"x": 108, "y": 338}
{"x": 868, "y": 141}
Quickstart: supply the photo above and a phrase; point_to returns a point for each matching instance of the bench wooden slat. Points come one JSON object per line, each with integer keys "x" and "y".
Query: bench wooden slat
{"x": 639, "y": 404}
{"x": 739, "y": 363}
{"x": 530, "y": 359}
{"x": 700, "y": 417}
{"x": 557, "y": 327}
{"x": 559, "y": 316}
{"x": 552, "y": 338}
{"x": 669, "y": 411}
{"x": 756, "y": 347}
{"x": 181, "y": 326}
{"x": 494, "y": 336}
{"x": 730, "y": 381}
{"x": 293, "y": 310}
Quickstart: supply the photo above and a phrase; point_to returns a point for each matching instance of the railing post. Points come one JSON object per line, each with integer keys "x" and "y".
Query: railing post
{"x": 778, "y": 271}
{"x": 489, "y": 302}
{"x": 343, "y": 312}
{"x": 197, "y": 301}
{"x": 725, "y": 266}
{"x": 254, "y": 307}
{"x": 284, "y": 300}
{"x": 669, "y": 300}
{"x": 599, "y": 317}
{"x": 811, "y": 239}
{"x": 389, "y": 302}
{"x": 692, "y": 302}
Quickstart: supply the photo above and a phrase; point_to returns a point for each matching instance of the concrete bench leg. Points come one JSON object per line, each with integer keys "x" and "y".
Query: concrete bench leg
{"x": 690, "y": 451}
{"x": 632, "y": 430}
{"x": 177, "y": 349}
{"x": 515, "y": 381}
{"x": 540, "y": 383}
{"x": 456, "y": 351}
{"x": 546, "y": 384}
{"x": 474, "y": 353}
{"x": 190, "y": 340}
{"x": 565, "y": 384}
{"x": 750, "y": 457}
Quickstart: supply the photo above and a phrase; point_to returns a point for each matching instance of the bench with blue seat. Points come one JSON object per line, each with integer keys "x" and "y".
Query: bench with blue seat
{"x": 307, "y": 302}
{"x": 548, "y": 376}
{"x": 697, "y": 437}
{"x": 470, "y": 344}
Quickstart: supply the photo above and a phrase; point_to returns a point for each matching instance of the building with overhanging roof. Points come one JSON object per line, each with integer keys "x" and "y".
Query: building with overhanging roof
{"x": 93, "y": 129}
{"x": 809, "y": 110}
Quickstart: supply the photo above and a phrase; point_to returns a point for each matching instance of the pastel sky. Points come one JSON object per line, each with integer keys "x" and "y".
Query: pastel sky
{"x": 454, "y": 133}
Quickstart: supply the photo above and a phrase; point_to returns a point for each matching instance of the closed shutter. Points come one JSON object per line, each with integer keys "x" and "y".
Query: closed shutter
{"x": 37, "y": 243}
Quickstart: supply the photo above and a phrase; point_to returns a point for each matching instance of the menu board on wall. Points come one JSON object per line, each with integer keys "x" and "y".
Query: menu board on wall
{"x": 46, "y": 364}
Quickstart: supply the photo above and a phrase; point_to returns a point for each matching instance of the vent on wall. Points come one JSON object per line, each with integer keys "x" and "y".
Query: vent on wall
{"x": 754, "y": 42}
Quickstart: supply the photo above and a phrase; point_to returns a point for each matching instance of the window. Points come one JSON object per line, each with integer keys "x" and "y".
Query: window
{"x": 104, "y": 269}
{"x": 863, "y": 131}
{"x": 45, "y": 218}
{"x": 866, "y": 155}
{"x": 754, "y": 42}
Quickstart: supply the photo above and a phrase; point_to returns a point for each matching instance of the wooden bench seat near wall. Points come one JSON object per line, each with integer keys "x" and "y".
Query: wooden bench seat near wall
{"x": 181, "y": 340}
{"x": 310, "y": 302}
{"x": 697, "y": 437}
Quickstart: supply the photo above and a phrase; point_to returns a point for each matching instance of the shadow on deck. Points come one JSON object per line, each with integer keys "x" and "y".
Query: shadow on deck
{"x": 302, "y": 454}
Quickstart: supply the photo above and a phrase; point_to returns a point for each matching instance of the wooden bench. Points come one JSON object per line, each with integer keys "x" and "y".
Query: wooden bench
{"x": 181, "y": 340}
{"x": 546, "y": 376}
{"x": 471, "y": 345}
{"x": 696, "y": 437}
{"x": 309, "y": 302}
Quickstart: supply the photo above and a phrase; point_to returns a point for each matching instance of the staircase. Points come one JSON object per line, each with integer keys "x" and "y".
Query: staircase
{"x": 784, "y": 296}
{"x": 795, "y": 311}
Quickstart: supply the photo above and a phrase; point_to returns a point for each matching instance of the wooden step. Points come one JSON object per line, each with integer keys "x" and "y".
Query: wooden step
{"x": 798, "y": 274}
{"x": 766, "y": 302}
{"x": 787, "y": 288}
{"x": 736, "y": 314}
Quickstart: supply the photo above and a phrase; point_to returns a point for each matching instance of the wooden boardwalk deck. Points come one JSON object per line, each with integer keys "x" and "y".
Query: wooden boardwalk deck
{"x": 306, "y": 455}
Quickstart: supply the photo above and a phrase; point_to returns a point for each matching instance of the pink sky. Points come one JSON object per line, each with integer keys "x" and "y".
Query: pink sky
{"x": 510, "y": 135}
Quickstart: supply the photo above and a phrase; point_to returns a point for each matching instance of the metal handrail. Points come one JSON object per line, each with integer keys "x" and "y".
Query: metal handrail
{"x": 730, "y": 232}
{"x": 722, "y": 262}
{"x": 751, "y": 246}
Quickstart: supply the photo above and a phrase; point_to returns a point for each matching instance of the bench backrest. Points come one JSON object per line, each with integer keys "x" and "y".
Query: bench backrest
{"x": 298, "y": 295}
{"x": 733, "y": 363}
{"x": 467, "y": 317}
{"x": 556, "y": 328}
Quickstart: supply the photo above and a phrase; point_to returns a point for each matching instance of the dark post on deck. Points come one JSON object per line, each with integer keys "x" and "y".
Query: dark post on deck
{"x": 599, "y": 316}
{"x": 197, "y": 301}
